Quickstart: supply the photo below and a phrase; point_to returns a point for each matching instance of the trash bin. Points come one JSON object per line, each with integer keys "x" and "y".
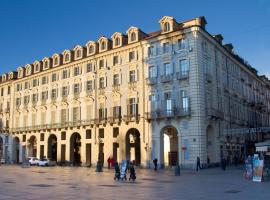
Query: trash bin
{"x": 99, "y": 167}
{"x": 177, "y": 170}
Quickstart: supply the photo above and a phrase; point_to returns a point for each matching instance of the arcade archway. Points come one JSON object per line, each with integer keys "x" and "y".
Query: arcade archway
{"x": 133, "y": 146}
{"x": 32, "y": 146}
{"x": 75, "y": 149}
{"x": 16, "y": 149}
{"x": 52, "y": 147}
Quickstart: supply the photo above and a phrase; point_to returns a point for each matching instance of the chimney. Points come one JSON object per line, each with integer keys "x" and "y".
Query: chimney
{"x": 218, "y": 38}
{"x": 229, "y": 47}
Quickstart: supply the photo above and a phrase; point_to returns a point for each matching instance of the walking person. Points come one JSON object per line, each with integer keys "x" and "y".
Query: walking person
{"x": 198, "y": 164}
{"x": 223, "y": 164}
{"x": 155, "y": 163}
{"x": 109, "y": 162}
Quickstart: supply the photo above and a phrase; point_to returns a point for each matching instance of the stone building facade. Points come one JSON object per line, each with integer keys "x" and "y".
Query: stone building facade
{"x": 168, "y": 94}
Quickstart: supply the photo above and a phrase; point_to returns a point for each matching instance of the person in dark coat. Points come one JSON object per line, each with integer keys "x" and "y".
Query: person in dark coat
{"x": 117, "y": 171}
{"x": 198, "y": 164}
{"x": 223, "y": 163}
{"x": 155, "y": 163}
{"x": 132, "y": 173}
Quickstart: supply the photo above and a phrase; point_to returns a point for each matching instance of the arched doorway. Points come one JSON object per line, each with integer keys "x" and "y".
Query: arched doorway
{"x": 133, "y": 146}
{"x": 32, "y": 146}
{"x": 75, "y": 149}
{"x": 169, "y": 146}
{"x": 16, "y": 150}
{"x": 1, "y": 147}
{"x": 52, "y": 147}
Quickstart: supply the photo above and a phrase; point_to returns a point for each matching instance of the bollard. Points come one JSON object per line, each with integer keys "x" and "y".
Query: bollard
{"x": 177, "y": 170}
{"x": 99, "y": 167}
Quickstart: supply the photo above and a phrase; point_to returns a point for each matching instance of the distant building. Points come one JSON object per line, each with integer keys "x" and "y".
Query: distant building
{"x": 123, "y": 96}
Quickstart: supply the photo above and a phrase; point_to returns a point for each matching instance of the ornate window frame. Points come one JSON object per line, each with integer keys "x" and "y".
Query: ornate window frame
{"x": 167, "y": 24}
{"x": 65, "y": 54}
{"x": 46, "y": 63}
{"x": 104, "y": 44}
{"x": 54, "y": 57}
{"x": 131, "y": 32}
{"x": 28, "y": 70}
{"x": 20, "y": 71}
{"x": 37, "y": 66}
{"x": 77, "y": 49}
{"x": 117, "y": 36}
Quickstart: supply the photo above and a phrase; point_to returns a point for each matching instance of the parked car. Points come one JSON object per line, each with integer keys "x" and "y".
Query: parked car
{"x": 46, "y": 162}
{"x": 3, "y": 161}
{"x": 32, "y": 160}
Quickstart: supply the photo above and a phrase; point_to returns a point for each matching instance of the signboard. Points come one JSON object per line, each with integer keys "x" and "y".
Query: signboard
{"x": 257, "y": 169}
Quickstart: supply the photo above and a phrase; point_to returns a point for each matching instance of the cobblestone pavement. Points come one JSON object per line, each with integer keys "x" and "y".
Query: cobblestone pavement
{"x": 84, "y": 183}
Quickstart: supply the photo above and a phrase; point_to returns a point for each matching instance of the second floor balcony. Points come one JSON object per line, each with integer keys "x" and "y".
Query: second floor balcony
{"x": 166, "y": 78}
{"x": 182, "y": 75}
{"x": 151, "y": 80}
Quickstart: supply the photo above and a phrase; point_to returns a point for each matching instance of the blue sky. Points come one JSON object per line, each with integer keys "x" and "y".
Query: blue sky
{"x": 31, "y": 29}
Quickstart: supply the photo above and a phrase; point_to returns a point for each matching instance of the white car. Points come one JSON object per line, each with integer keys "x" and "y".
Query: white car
{"x": 3, "y": 161}
{"x": 46, "y": 162}
{"x": 32, "y": 160}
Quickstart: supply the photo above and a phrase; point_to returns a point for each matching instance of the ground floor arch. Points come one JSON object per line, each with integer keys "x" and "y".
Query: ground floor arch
{"x": 75, "y": 149}
{"x": 133, "y": 146}
{"x": 16, "y": 150}
{"x": 169, "y": 149}
{"x": 52, "y": 147}
{"x": 32, "y": 146}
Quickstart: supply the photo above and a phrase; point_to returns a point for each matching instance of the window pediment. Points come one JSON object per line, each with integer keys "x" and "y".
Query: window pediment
{"x": 66, "y": 56}
{"x": 46, "y": 63}
{"x": 104, "y": 44}
{"x": 167, "y": 24}
{"x": 118, "y": 39}
{"x": 28, "y": 69}
{"x": 37, "y": 66}
{"x": 20, "y": 71}
{"x": 133, "y": 34}
{"x": 56, "y": 59}
{"x": 78, "y": 50}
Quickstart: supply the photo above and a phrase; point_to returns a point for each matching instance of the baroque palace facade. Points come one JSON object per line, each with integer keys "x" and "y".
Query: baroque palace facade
{"x": 169, "y": 94}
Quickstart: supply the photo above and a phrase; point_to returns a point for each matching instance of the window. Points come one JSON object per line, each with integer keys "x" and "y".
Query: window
{"x": 167, "y": 69}
{"x": 88, "y": 134}
{"x": 152, "y": 97}
{"x": 132, "y": 76}
{"x": 54, "y": 77}
{"x": 76, "y": 88}
{"x": 46, "y": 64}
{"x": 78, "y": 53}
{"x": 183, "y": 67}
{"x": 91, "y": 49}
{"x": 63, "y": 135}
{"x": 44, "y": 80}
{"x": 2, "y": 92}
{"x": 152, "y": 72}
{"x": 77, "y": 71}
{"x": 26, "y": 85}
{"x": 167, "y": 27}
{"x": 65, "y": 74}
{"x": 76, "y": 114}
{"x": 37, "y": 68}
{"x": 166, "y": 47}
{"x": 89, "y": 67}
{"x": 101, "y": 133}
{"x": 65, "y": 91}
{"x": 8, "y": 89}
{"x": 182, "y": 43}
{"x": 35, "y": 98}
{"x": 44, "y": 95}
{"x": 117, "y": 41}
{"x": 103, "y": 45}
{"x": 116, "y": 80}
{"x": 115, "y": 60}
{"x": 101, "y": 82}
{"x": 64, "y": 115}
{"x": 150, "y": 51}
{"x": 41, "y": 136}
{"x": 115, "y": 132}
{"x": 117, "y": 111}
{"x": 89, "y": 85}
{"x": 18, "y": 101}
{"x": 18, "y": 88}
{"x": 131, "y": 55}
{"x": 54, "y": 93}
{"x": 133, "y": 107}
{"x": 168, "y": 102}
{"x": 184, "y": 100}
{"x": 35, "y": 82}
{"x": 101, "y": 63}
{"x": 26, "y": 100}
{"x": 133, "y": 36}
{"x": 56, "y": 61}
{"x": 67, "y": 57}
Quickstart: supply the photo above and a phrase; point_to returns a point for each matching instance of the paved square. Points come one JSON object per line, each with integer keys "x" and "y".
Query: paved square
{"x": 85, "y": 183}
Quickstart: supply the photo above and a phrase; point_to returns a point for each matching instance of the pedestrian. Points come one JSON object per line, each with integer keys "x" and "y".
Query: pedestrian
{"x": 155, "y": 163}
{"x": 198, "y": 164}
{"x": 223, "y": 164}
{"x": 208, "y": 161}
{"x": 109, "y": 162}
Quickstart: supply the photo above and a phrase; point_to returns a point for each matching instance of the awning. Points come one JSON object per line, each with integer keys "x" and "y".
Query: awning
{"x": 263, "y": 146}
{"x": 262, "y": 149}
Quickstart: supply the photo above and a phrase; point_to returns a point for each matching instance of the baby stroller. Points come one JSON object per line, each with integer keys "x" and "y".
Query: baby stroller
{"x": 123, "y": 171}
{"x": 117, "y": 171}
{"x": 132, "y": 173}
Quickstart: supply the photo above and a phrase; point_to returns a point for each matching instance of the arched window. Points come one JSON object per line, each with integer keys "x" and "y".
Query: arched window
{"x": 117, "y": 41}
{"x": 37, "y": 67}
{"x": 56, "y": 61}
{"x": 67, "y": 57}
{"x": 78, "y": 53}
{"x": 133, "y": 36}
{"x": 167, "y": 27}
{"x": 103, "y": 45}
{"x": 91, "y": 49}
{"x": 45, "y": 64}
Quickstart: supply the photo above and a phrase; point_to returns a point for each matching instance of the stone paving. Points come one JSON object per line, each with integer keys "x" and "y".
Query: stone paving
{"x": 84, "y": 183}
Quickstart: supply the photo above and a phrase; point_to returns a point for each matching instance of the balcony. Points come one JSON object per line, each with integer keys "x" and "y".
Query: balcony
{"x": 116, "y": 88}
{"x": 132, "y": 85}
{"x": 151, "y": 80}
{"x": 90, "y": 92}
{"x": 114, "y": 119}
{"x": 182, "y": 75}
{"x": 101, "y": 120}
{"x": 43, "y": 102}
{"x": 182, "y": 112}
{"x": 166, "y": 78}
{"x": 131, "y": 118}
{"x": 215, "y": 113}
